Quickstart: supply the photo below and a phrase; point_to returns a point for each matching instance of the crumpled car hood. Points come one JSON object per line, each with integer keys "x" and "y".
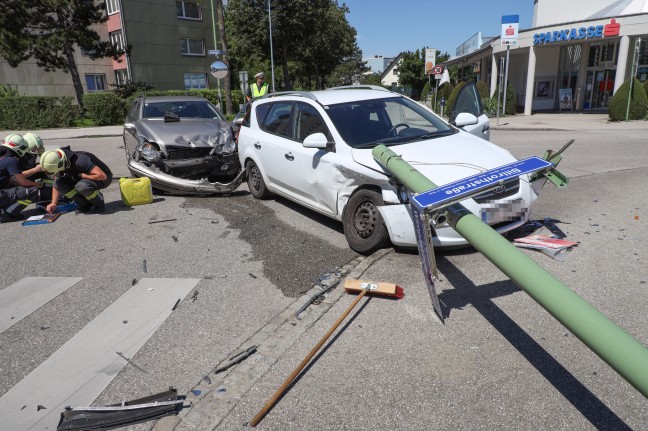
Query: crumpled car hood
{"x": 186, "y": 132}
{"x": 444, "y": 160}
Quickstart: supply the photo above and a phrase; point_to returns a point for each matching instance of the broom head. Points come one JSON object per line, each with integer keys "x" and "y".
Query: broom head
{"x": 381, "y": 288}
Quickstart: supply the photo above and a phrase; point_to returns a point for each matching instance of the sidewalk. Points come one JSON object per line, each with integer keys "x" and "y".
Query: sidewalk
{"x": 564, "y": 121}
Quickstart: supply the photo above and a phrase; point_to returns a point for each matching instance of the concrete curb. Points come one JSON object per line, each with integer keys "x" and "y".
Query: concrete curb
{"x": 220, "y": 393}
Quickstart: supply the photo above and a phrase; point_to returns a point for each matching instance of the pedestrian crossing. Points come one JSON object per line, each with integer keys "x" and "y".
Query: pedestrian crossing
{"x": 77, "y": 373}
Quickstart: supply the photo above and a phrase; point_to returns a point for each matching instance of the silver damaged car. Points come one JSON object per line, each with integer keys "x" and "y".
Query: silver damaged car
{"x": 183, "y": 144}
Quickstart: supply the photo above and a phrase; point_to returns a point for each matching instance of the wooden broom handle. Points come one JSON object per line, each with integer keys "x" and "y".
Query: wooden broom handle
{"x": 272, "y": 401}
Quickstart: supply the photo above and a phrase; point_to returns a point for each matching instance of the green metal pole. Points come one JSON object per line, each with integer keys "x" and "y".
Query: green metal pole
{"x": 620, "y": 350}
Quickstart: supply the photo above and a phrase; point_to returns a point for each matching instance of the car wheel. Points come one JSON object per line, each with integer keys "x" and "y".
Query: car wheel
{"x": 255, "y": 182}
{"x": 364, "y": 227}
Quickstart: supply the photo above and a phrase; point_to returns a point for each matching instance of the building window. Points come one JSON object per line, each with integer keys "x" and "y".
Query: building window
{"x": 121, "y": 76}
{"x": 188, "y": 10}
{"x": 195, "y": 81}
{"x": 96, "y": 82}
{"x": 190, "y": 46}
{"x": 117, "y": 39}
{"x": 112, "y": 6}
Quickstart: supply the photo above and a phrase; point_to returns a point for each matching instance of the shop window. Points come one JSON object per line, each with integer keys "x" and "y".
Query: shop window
{"x": 594, "y": 54}
{"x": 195, "y": 81}
{"x": 188, "y": 10}
{"x": 95, "y": 82}
{"x": 642, "y": 60}
{"x": 190, "y": 46}
{"x": 112, "y": 6}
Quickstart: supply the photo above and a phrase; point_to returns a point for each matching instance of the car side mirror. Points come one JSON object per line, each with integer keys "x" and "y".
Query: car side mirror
{"x": 170, "y": 117}
{"x": 465, "y": 119}
{"x": 316, "y": 140}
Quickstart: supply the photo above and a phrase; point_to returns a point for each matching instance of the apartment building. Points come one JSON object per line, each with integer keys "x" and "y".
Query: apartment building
{"x": 169, "y": 40}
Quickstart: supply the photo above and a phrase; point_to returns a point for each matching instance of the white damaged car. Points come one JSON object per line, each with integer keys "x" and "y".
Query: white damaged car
{"x": 314, "y": 148}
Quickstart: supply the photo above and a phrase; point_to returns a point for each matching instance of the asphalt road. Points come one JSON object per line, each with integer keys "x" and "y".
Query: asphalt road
{"x": 500, "y": 360}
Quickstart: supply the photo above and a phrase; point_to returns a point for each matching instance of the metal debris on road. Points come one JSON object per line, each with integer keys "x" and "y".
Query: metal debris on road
{"x": 235, "y": 359}
{"x": 316, "y": 298}
{"x": 176, "y": 305}
{"x": 44, "y": 328}
{"x": 252, "y": 275}
{"x": 40, "y": 407}
{"x": 131, "y": 362}
{"x": 194, "y": 296}
{"x": 162, "y": 221}
{"x": 134, "y": 282}
{"x": 175, "y": 238}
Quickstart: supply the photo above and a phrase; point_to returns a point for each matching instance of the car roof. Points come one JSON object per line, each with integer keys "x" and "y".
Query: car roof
{"x": 173, "y": 98}
{"x": 337, "y": 95}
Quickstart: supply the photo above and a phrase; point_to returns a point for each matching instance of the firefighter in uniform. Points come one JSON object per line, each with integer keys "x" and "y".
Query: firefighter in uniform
{"x": 79, "y": 176}
{"x": 257, "y": 89}
{"x": 16, "y": 190}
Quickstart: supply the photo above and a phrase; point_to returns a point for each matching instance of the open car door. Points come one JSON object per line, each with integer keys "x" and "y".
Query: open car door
{"x": 468, "y": 101}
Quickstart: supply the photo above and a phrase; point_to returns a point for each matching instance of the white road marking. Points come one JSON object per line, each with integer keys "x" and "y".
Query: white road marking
{"x": 83, "y": 367}
{"x": 28, "y": 295}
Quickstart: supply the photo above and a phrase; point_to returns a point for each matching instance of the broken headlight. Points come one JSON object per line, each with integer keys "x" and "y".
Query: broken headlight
{"x": 151, "y": 153}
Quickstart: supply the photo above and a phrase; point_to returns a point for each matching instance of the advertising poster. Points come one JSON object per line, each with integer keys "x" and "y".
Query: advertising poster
{"x": 565, "y": 99}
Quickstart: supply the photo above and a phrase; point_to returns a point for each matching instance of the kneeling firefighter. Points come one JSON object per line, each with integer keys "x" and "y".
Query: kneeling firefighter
{"x": 79, "y": 176}
{"x": 16, "y": 190}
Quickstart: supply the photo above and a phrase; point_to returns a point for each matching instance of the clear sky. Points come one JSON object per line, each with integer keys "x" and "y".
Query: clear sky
{"x": 388, "y": 28}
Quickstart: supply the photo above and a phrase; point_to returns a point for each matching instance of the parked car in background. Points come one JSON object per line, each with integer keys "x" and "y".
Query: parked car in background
{"x": 314, "y": 148}
{"x": 183, "y": 144}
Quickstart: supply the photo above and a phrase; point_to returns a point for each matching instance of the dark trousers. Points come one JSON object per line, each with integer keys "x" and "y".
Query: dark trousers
{"x": 67, "y": 184}
{"x": 12, "y": 195}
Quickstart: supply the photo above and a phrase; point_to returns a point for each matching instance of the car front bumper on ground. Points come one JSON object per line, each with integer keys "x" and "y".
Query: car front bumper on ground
{"x": 171, "y": 184}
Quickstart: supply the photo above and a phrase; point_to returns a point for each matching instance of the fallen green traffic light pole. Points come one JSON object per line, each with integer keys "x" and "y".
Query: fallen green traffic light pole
{"x": 620, "y": 350}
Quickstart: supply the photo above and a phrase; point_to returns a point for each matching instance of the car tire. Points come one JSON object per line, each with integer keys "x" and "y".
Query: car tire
{"x": 364, "y": 227}
{"x": 255, "y": 181}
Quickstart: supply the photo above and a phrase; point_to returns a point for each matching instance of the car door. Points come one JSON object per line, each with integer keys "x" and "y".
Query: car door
{"x": 309, "y": 172}
{"x": 468, "y": 100}
{"x": 131, "y": 138}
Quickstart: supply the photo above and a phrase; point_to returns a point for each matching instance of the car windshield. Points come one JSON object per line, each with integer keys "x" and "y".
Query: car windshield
{"x": 398, "y": 120}
{"x": 183, "y": 109}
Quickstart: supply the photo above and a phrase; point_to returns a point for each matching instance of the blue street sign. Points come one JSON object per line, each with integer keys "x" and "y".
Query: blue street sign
{"x": 215, "y": 52}
{"x": 451, "y": 192}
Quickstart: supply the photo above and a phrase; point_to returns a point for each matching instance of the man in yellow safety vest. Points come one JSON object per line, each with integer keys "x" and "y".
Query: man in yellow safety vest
{"x": 259, "y": 88}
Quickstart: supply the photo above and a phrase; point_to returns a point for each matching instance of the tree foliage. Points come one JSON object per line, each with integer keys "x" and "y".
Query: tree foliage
{"x": 312, "y": 41}
{"x": 50, "y": 31}
{"x": 638, "y": 102}
{"x": 411, "y": 70}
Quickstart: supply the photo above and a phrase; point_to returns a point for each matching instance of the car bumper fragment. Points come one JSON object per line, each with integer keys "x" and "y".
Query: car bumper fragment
{"x": 171, "y": 184}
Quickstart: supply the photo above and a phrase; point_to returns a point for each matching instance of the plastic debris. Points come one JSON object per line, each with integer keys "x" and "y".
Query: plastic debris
{"x": 194, "y": 296}
{"x": 175, "y": 238}
{"x": 552, "y": 247}
{"x": 44, "y": 328}
{"x": 207, "y": 380}
{"x": 235, "y": 359}
{"x": 40, "y": 407}
{"x": 196, "y": 392}
{"x": 162, "y": 221}
{"x": 252, "y": 275}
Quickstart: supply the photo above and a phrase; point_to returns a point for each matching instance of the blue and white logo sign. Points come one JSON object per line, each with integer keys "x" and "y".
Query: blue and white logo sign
{"x": 510, "y": 27}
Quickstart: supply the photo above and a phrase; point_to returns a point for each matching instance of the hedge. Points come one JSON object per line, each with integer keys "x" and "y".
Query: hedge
{"x": 511, "y": 99}
{"x": 36, "y": 112}
{"x": 444, "y": 92}
{"x": 638, "y": 102}
{"x": 104, "y": 108}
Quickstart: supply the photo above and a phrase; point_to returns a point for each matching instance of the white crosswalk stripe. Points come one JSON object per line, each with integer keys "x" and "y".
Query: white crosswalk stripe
{"x": 28, "y": 295}
{"x": 83, "y": 367}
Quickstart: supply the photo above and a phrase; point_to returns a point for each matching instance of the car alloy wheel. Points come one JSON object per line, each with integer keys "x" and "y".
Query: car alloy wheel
{"x": 364, "y": 227}
{"x": 255, "y": 181}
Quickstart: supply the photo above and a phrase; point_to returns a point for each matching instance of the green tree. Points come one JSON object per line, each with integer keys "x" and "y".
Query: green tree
{"x": 350, "y": 70}
{"x": 411, "y": 71}
{"x": 371, "y": 79}
{"x": 50, "y": 31}
{"x": 310, "y": 39}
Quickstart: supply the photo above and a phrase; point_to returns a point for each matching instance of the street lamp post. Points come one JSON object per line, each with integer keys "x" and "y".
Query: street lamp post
{"x": 271, "y": 54}
{"x": 220, "y": 99}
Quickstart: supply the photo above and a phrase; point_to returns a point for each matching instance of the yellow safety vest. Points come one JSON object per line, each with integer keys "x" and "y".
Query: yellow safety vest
{"x": 258, "y": 93}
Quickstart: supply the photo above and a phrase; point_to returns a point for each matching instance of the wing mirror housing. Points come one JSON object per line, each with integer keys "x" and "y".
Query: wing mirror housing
{"x": 317, "y": 140}
{"x": 465, "y": 119}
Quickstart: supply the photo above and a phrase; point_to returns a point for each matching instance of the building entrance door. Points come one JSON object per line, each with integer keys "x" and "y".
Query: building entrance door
{"x": 599, "y": 86}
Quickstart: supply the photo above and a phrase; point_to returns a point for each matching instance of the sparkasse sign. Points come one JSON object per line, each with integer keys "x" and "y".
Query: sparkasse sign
{"x": 592, "y": 32}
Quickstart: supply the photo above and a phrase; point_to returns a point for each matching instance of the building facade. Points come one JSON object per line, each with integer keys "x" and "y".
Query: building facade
{"x": 169, "y": 41}
{"x": 575, "y": 57}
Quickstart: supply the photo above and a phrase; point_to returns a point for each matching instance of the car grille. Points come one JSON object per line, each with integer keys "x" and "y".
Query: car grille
{"x": 510, "y": 188}
{"x": 181, "y": 153}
